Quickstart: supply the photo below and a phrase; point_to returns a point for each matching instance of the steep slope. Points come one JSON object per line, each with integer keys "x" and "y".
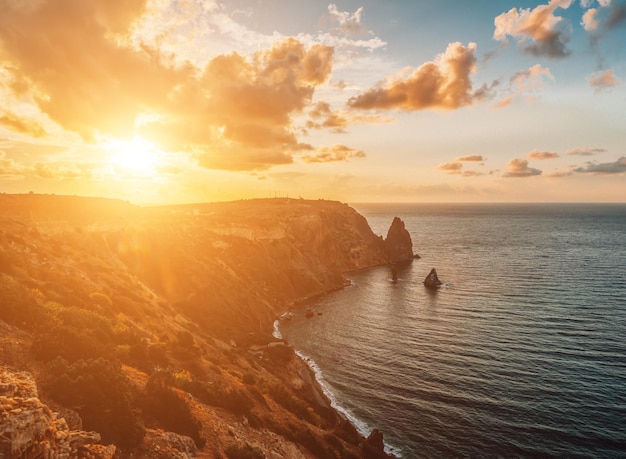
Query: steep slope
{"x": 160, "y": 318}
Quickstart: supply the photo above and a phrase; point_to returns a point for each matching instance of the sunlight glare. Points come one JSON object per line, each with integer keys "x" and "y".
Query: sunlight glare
{"x": 136, "y": 156}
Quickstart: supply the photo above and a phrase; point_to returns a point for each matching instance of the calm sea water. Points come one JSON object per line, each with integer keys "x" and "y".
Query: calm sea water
{"x": 522, "y": 352}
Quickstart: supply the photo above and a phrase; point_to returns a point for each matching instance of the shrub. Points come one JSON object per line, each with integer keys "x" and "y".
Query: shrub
{"x": 18, "y": 305}
{"x": 67, "y": 342}
{"x": 105, "y": 398}
{"x": 165, "y": 406}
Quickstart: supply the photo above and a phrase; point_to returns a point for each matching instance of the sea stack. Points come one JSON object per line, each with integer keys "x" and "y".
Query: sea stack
{"x": 432, "y": 281}
{"x": 398, "y": 244}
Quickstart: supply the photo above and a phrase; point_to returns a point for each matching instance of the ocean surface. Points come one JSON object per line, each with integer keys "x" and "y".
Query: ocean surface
{"x": 521, "y": 353}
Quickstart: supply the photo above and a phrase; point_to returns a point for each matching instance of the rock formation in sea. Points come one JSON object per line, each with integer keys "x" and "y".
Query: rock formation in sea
{"x": 398, "y": 244}
{"x": 432, "y": 281}
{"x": 152, "y": 327}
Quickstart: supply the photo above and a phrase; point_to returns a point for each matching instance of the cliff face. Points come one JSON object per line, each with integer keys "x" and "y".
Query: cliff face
{"x": 161, "y": 318}
{"x": 30, "y": 429}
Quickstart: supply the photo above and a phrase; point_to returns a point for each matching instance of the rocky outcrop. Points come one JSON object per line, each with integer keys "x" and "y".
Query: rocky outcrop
{"x": 167, "y": 445}
{"x": 374, "y": 447}
{"x": 30, "y": 429}
{"x": 398, "y": 244}
{"x": 432, "y": 281}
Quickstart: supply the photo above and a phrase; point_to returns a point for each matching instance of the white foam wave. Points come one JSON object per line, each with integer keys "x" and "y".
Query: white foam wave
{"x": 361, "y": 426}
{"x": 276, "y": 333}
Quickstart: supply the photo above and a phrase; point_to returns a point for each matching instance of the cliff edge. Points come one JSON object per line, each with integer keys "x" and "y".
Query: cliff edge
{"x": 152, "y": 326}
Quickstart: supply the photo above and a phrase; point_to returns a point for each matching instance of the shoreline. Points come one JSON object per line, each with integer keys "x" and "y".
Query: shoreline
{"x": 318, "y": 378}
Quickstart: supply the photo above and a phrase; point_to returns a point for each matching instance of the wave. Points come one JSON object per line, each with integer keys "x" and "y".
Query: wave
{"x": 360, "y": 426}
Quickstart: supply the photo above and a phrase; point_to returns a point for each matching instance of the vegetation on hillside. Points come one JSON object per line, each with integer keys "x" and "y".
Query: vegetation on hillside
{"x": 160, "y": 318}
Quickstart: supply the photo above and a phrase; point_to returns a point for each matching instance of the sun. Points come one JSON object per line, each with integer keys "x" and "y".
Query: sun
{"x": 135, "y": 157}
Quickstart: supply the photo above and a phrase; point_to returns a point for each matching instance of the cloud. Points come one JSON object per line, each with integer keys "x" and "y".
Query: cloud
{"x": 440, "y": 84}
{"x": 323, "y": 117}
{"x": 542, "y": 155}
{"x": 538, "y": 31}
{"x": 531, "y": 79}
{"x": 603, "y": 80}
{"x": 519, "y": 168}
{"x": 348, "y": 22}
{"x": 616, "y": 167}
{"x": 617, "y": 16}
{"x": 590, "y": 21}
{"x": 333, "y": 154}
{"x": 20, "y": 124}
{"x": 525, "y": 81}
{"x": 585, "y": 151}
{"x": 471, "y": 158}
{"x": 471, "y": 173}
{"x": 75, "y": 67}
{"x": 84, "y": 71}
{"x": 453, "y": 167}
{"x": 9, "y": 168}
{"x": 587, "y": 3}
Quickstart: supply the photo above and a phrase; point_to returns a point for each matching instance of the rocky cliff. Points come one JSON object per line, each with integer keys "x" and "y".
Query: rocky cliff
{"x": 152, "y": 326}
{"x": 398, "y": 244}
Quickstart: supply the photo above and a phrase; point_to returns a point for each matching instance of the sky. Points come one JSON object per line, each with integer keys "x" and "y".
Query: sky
{"x": 178, "y": 101}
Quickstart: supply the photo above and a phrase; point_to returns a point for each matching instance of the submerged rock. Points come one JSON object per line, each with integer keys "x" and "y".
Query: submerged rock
{"x": 398, "y": 244}
{"x": 432, "y": 281}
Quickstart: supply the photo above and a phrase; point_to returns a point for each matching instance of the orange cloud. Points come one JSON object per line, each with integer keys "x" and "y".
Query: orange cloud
{"x": 590, "y": 21}
{"x": 536, "y": 30}
{"x": 519, "y": 168}
{"x": 541, "y": 155}
{"x": 453, "y": 167}
{"x": 603, "y": 80}
{"x": 21, "y": 125}
{"x": 238, "y": 116}
{"x": 323, "y": 117}
{"x": 471, "y": 158}
{"x": 334, "y": 120}
{"x": 9, "y": 168}
{"x": 440, "y": 84}
{"x": 67, "y": 55}
{"x": 333, "y": 154}
{"x": 83, "y": 72}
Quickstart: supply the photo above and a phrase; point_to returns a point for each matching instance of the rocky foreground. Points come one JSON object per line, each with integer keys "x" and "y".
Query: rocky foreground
{"x": 146, "y": 332}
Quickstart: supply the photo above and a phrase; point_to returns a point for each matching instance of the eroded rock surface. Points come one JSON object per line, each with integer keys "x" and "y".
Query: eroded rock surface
{"x": 30, "y": 429}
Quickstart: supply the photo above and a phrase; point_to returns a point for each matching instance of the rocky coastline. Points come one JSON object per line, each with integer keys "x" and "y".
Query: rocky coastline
{"x": 152, "y": 327}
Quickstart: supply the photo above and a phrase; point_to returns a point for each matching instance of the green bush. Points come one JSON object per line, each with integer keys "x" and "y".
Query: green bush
{"x": 68, "y": 343}
{"x": 105, "y": 399}
{"x": 164, "y": 405}
{"x": 18, "y": 305}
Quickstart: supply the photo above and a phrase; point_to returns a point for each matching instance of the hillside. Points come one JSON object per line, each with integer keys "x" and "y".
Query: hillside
{"x": 139, "y": 322}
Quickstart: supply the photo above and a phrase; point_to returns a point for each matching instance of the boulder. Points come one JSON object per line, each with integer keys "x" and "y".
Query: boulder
{"x": 30, "y": 429}
{"x": 432, "y": 281}
{"x": 398, "y": 244}
{"x": 373, "y": 447}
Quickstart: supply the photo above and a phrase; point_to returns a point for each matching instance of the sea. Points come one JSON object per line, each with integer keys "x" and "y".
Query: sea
{"x": 520, "y": 353}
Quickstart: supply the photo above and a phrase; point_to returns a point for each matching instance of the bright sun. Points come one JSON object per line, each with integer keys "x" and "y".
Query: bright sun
{"x": 136, "y": 156}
